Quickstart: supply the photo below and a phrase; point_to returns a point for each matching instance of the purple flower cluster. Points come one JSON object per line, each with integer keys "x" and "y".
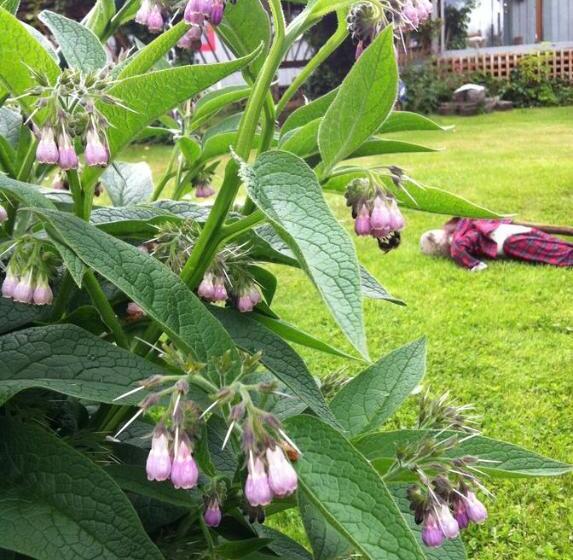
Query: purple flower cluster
{"x": 169, "y": 459}
{"x": 415, "y": 12}
{"x": 63, "y": 153}
{"x": 213, "y": 288}
{"x": 379, "y": 218}
{"x": 269, "y": 476}
{"x": 27, "y": 288}
{"x": 150, "y": 14}
{"x": 204, "y": 189}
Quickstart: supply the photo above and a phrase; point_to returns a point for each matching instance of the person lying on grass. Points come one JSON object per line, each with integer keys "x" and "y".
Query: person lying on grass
{"x": 468, "y": 242}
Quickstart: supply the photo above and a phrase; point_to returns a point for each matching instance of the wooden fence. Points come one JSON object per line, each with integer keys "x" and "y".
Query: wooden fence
{"x": 500, "y": 64}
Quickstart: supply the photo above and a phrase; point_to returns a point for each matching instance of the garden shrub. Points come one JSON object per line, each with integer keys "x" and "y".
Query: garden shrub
{"x": 152, "y": 404}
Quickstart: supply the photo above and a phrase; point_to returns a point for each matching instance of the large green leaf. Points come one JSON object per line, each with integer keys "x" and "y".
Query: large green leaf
{"x": 450, "y": 550}
{"x": 80, "y": 47}
{"x": 10, "y": 5}
{"x": 27, "y": 194}
{"x": 375, "y": 394}
{"x": 350, "y": 494}
{"x": 372, "y": 289}
{"x": 245, "y": 26}
{"x": 131, "y": 220}
{"x": 403, "y": 121}
{"x": 214, "y": 101}
{"x": 128, "y": 183}
{"x": 145, "y": 59}
{"x": 157, "y": 290}
{"x": 56, "y": 504}
{"x": 283, "y": 546}
{"x": 20, "y": 52}
{"x": 363, "y": 102}
{"x": 10, "y": 123}
{"x": 381, "y": 146}
{"x": 302, "y": 141}
{"x": 149, "y": 96}
{"x": 287, "y": 191}
{"x": 326, "y": 542}
{"x": 278, "y": 357}
{"x": 418, "y": 197}
{"x": 100, "y": 16}
{"x": 15, "y": 315}
{"x": 505, "y": 459}
{"x": 309, "y": 112}
{"x": 69, "y": 360}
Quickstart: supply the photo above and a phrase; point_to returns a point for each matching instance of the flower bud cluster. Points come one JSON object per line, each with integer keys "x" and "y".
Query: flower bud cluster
{"x": 219, "y": 287}
{"x": 414, "y": 13}
{"x": 28, "y": 273}
{"x": 72, "y": 119}
{"x": 364, "y": 22}
{"x": 375, "y": 212}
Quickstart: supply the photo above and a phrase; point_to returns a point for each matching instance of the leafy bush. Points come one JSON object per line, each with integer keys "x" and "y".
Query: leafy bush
{"x": 152, "y": 405}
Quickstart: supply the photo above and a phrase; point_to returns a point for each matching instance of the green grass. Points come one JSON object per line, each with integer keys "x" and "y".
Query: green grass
{"x": 502, "y": 339}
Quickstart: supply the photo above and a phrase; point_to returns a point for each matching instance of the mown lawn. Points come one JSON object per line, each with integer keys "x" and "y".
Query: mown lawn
{"x": 502, "y": 339}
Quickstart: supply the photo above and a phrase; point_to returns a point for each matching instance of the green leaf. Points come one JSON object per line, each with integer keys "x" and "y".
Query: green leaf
{"x": 148, "y": 56}
{"x": 326, "y": 542}
{"x": 157, "y": 290}
{"x": 29, "y": 195}
{"x": 380, "y": 146}
{"x": 375, "y": 394}
{"x": 128, "y": 183}
{"x": 266, "y": 245}
{"x": 277, "y": 356}
{"x": 69, "y": 360}
{"x": 240, "y": 549}
{"x": 73, "y": 264}
{"x": 80, "y": 46}
{"x": 15, "y": 315}
{"x": 437, "y": 201}
{"x": 132, "y": 220}
{"x": 149, "y": 96}
{"x": 10, "y": 5}
{"x": 10, "y": 123}
{"x": 508, "y": 460}
{"x": 309, "y": 112}
{"x": 297, "y": 336}
{"x": 99, "y": 17}
{"x": 132, "y": 478}
{"x": 349, "y": 493}
{"x": 214, "y": 101}
{"x": 450, "y": 550}
{"x": 287, "y": 191}
{"x": 303, "y": 141}
{"x": 245, "y": 26}
{"x": 372, "y": 289}
{"x": 190, "y": 148}
{"x": 364, "y": 100}
{"x": 282, "y": 545}
{"x": 58, "y": 505}
{"x": 404, "y": 121}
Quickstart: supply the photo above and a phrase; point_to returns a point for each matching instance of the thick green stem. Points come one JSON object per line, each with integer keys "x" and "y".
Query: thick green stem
{"x": 327, "y": 49}
{"x": 24, "y": 171}
{"x": 105, "y": 309}
{"x": 77, "y": 192}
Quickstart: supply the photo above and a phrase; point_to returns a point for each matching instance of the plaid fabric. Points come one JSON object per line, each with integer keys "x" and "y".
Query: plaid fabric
{"x": 537, "y": 246}
{"x": 471, "y": 241}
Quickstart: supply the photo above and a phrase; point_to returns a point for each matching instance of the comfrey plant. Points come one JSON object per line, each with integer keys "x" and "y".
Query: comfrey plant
{"x": 152, "y": 405}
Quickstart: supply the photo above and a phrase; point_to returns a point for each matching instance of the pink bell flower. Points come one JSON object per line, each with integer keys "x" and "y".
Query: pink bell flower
{"x": 282, "y": 476}
{"x": 9, "y": 285}
{"x": 158, "y": 465}
{"x": 362, "y": 223}
{"x": 447, "y": 523}
{"x": 432, "y": 534}
{"x": 257, "y": 489}
{"x": 477, "y": 512}
{"x": 68, "y": 157}
{"x": 24, "y": 291}
{"x": 43, "y": 294}
{"x": 213, "y": 515}
{"x": 184, "y": 472}
{"x": 47, "y": 150}
{"x": 3, "y": 214}
{"x": 155, "y": 21}
{"x": 97, "y": 154}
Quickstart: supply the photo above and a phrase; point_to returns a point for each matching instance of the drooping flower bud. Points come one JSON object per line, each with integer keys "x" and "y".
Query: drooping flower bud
{"x": 447, "y": 523}
{"x": 477, "y": 512}
{"x": 257, "y": 489}
{"x": 255, "y": 295}
{"x": 213, "y": 515}
{"x": 432, "y": 534}
{"x": 47, "y": 151}
{"x": 362, "y": 223}
{"x": 219, "y": 290}
{"x": 204, "y": 190}
{"x": 206, "y": 289}
{"x": 134, "y": 312}
{"x": 461, "y": 513}
{"x": 97, "y": 154}
{"x": 155, "y": 21}
{"x": 3, "y": 214}
{"x": 194, "y": 13}
{"x": 9, "y": 285}
{"x": 143, "y": 13}
{"x": 43, "y": 294}
{"x": 184, "y": 472}
{"x": 282, "y": 476}
{"x": 397, "y": 222}
{"x": 158, "y": 465}
{"x": 217, "y": 12}
{"x": 380, "y": 217}
{"x": 245, "y": 303}
{"x": 24, "y": 291}
{"x": 190, "y": 39}
{"x": 68, "y": 157}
